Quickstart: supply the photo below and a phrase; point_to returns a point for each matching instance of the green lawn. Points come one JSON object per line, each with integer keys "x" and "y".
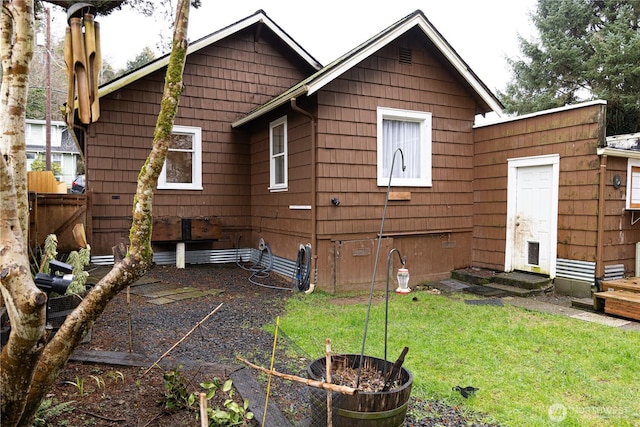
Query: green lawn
{"x": 527, "y": 365}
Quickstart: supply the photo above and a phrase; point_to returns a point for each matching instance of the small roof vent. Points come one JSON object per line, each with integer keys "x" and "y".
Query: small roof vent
{"x": 405, "y": 56}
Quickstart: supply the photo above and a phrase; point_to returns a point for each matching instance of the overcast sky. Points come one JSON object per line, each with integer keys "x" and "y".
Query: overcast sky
{"x": 483, "y": 32}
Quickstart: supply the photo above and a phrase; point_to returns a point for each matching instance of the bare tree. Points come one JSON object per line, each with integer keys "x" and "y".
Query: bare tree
{"x": 29, "y": 365}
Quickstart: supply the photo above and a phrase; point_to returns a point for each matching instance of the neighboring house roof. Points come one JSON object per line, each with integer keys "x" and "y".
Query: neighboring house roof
{"x": 44, "y": 122}
{"x": 258, "y": 17}
{"x": 66, "y": 143}
{"x": 317, "y": 81}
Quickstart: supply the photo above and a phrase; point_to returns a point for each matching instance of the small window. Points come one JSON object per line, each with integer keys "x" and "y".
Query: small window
{"x": 182, "y": 168}
{"x": 278, "y": 154}
{"x": 411, "y": 132}
{"x": 633, "y": 184}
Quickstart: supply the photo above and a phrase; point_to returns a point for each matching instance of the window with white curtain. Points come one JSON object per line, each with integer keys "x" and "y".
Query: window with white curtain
{"x": 278, "y": 154}
{"x": 410, "y": 131}
{"x": 182, "y": 168}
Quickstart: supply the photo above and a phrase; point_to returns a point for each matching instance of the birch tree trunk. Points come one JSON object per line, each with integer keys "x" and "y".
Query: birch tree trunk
{"x": 25, "y": 303}
{"x": 16, "y": 48}
{"x": 28, "y": 367}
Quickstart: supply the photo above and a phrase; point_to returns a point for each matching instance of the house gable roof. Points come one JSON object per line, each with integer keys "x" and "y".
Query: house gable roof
{"x": 317, "y": 81}
{"x": 258, "y": 17}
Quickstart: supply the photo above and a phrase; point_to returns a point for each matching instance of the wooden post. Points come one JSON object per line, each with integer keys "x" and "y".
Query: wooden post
{"x": 129, "y": 319}
{"x": 180, "y": 255}
{"x": 204, "y": 418}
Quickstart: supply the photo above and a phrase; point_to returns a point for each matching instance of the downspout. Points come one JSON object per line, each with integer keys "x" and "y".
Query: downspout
{"x": 314, "y": 226}
{"x": 600, "y": 231}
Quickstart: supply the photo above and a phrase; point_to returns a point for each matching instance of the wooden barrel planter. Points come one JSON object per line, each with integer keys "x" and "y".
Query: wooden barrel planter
{"x": 364, "y": 409}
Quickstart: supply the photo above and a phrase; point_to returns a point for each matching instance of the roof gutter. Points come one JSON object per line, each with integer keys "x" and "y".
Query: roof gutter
{"x": 314, "y": 198}
{"x": 270, "y": 106}
{"x": 618, "y": 152}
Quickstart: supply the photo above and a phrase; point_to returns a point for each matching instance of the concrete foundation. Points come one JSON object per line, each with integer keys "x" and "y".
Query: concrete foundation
{"x": 574, "y": 288}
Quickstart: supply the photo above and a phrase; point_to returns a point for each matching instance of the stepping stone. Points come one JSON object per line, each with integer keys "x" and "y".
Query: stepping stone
{"x": 161, "y": 301}
{"x": 164, "y": 292}
{"x": 152, "y": 288}
{"x": 174, "y": 295}
{"x": 451, "y": 285}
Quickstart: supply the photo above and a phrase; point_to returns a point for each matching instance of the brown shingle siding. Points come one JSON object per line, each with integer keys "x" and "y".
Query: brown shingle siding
{"x": 569, "y": 134}
{"x": 222, "y": 82}
{"x": 347, "y": 153}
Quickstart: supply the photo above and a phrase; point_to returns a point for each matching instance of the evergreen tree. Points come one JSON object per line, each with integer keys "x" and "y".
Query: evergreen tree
{"x": 586, "y": 49}
{"x": 143, "y": 58}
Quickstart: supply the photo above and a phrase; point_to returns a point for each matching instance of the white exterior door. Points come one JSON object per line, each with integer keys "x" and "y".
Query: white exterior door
{"x": 532, "y": 214}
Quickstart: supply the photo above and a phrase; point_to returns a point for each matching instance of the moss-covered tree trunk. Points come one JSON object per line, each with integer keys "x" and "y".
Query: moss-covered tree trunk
{"x": 28, "y": 367}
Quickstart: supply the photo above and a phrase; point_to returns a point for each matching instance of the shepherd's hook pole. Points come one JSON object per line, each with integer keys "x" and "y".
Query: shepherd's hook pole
{"x": 375, "y": 265}
{"x": 403, "y": 260}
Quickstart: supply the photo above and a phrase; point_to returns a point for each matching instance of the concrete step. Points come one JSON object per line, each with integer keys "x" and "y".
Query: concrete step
{"x": 514, "y": 291}
{"x": 523, "y": 280}
{"x": 482, "y": 276}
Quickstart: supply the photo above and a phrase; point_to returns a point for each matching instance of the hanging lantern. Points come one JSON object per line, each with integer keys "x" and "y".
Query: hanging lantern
{"x": 403, "y": 281}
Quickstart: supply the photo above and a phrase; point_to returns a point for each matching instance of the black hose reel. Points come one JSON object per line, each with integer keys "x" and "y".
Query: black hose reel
{"x": 303, "y": 268}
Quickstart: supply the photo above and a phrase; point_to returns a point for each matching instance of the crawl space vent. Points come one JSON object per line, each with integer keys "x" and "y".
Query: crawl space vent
{"x": 405, "y": 56}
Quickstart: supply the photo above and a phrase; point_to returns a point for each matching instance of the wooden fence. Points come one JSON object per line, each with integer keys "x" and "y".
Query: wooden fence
{"x": 45, "y": 182}
{"x": 58, "y": 214}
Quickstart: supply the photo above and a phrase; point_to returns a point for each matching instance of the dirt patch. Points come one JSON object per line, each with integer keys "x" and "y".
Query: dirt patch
{"x": 107, "y": 395}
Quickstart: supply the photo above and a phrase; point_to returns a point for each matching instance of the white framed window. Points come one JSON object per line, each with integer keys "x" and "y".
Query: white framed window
{"x": 278, "y": 163}
{"x": 633, "y": 185}
{"x": 182, "y": 168}
{"x": 411, "y": 132}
